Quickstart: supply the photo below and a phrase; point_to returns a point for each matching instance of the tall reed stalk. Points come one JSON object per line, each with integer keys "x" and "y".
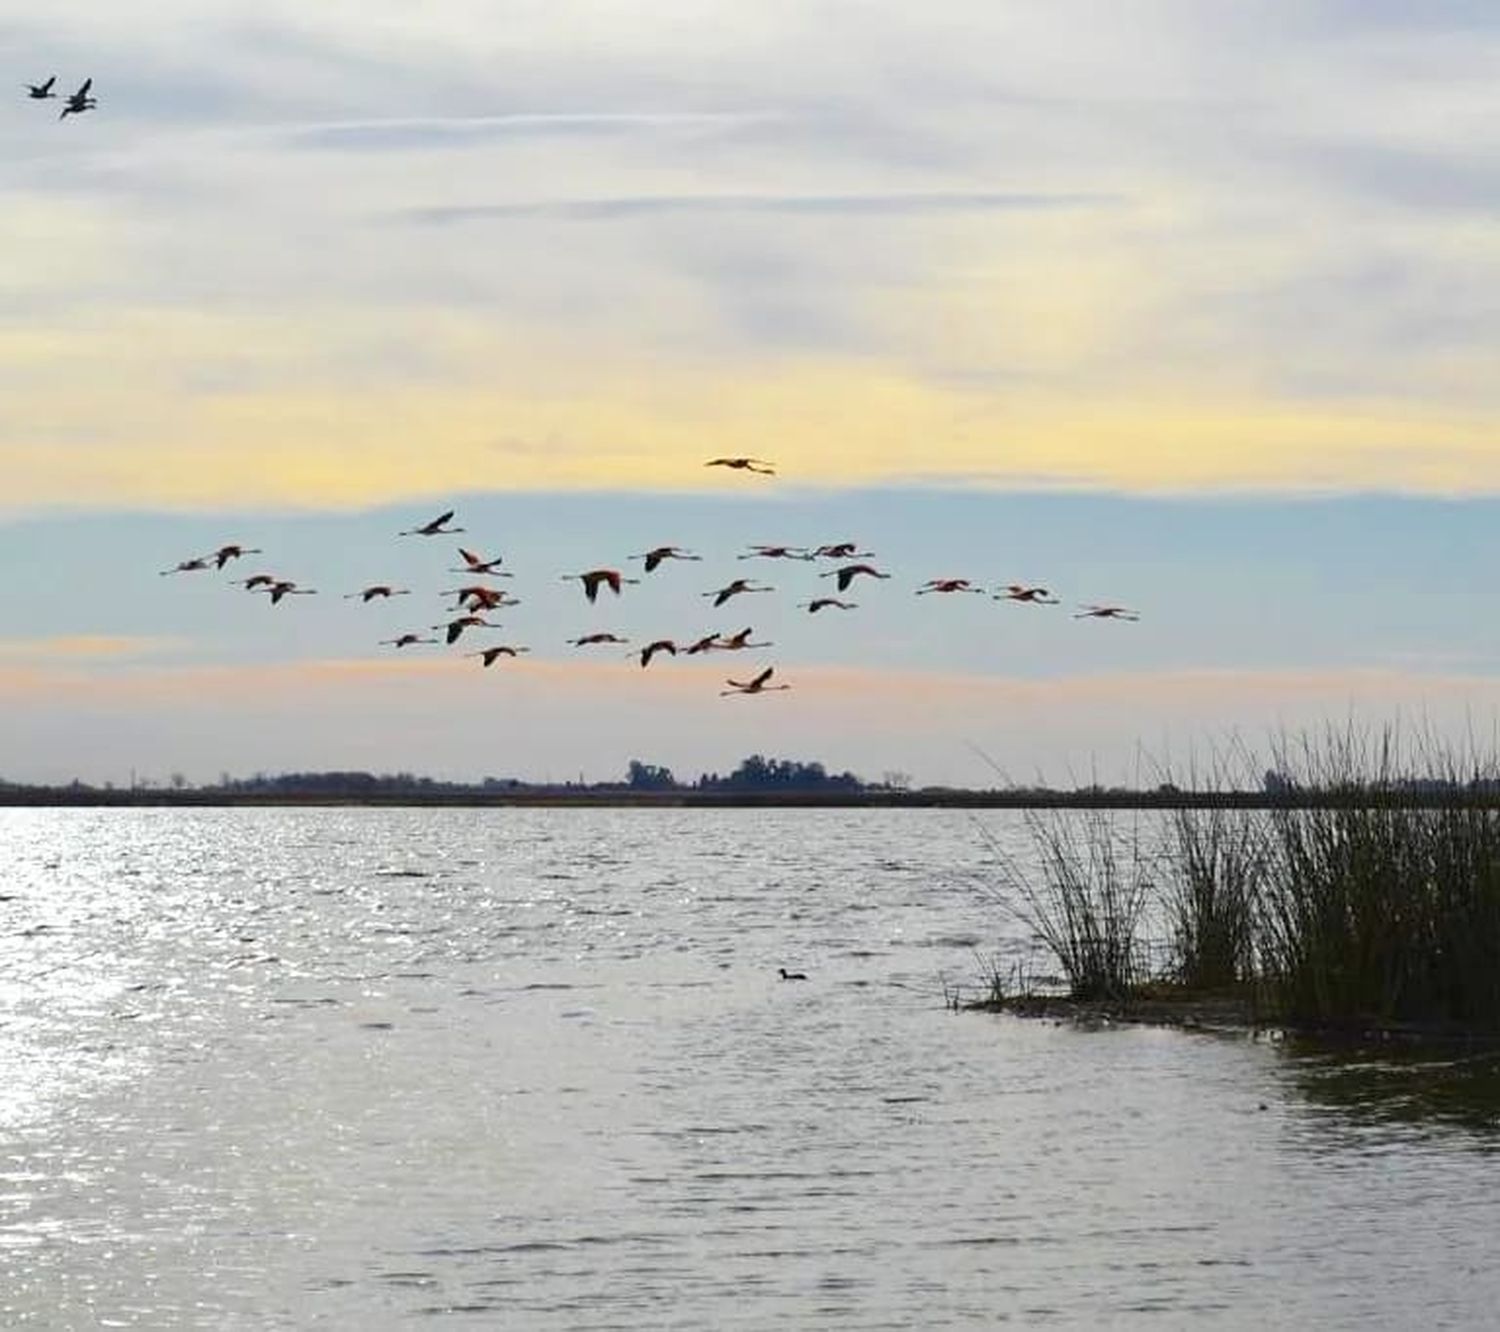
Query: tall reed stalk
{"x": 1088, "y": 903}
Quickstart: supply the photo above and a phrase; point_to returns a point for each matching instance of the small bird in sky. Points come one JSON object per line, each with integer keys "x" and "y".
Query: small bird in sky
{"x": 455, "y": 627}
{"x": 657, "y": 554}
{"x": 705, "y": 644}
{"x": 850, "y": 572}
{"x": 741, "y": 640}
{"x": 194, "y": 565}
{"x": 483, "y": 568}
{"x": 437, "y": 527}
{"x": 1035, "y": 596}
{"x": 756, "y": 465}
{"x": 255, "y": 581}
{"x": 284, "y": 587}
{"x": 776, "y": 553}
{"x": 491, "y": 654}
{"x": 651, "y": 649}
{"x": 1106, "y": 613}
{"x": 843, "y": 550}
{"x": 224, "y": 554}
{"x": 39, "y": 92}
{"x": 733, "y": 590}
{"x": 378, "y": 590}
{"x": 80, "y": 101}
{"x": 948, "y": 585}
{"x": 478, "y": 597}
{"x": 405, "y": 640}
{"x": 592, "y": 640}
{"x": 823, "y": 603}
{"x": 594, "y": 579}
{"x": 756, "y": 686}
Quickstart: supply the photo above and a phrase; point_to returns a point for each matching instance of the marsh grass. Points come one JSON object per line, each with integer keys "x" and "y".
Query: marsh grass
{"x": 1378, "y": 908}
{"x": 1369, "y": 897}
{"x": 1089, "y": 902}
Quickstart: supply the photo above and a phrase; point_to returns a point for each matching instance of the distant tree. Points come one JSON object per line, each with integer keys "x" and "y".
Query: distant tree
{"x": 649, "y": 777}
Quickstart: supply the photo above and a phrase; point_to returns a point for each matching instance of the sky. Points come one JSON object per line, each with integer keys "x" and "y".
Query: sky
{"x": 1189, "y": 307}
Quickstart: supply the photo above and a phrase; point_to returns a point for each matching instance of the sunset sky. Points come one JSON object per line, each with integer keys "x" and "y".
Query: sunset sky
{"x": 1192, "y": 307}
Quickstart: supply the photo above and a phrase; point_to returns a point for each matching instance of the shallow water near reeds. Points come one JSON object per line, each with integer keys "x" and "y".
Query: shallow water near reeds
{"x": 535, "y": 1069}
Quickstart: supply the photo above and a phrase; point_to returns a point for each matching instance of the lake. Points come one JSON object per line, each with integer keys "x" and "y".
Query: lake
{"x": 534, "y": 1068}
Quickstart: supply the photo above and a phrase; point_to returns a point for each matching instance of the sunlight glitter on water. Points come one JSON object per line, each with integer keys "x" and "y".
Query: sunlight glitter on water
{"x": 281, "y": 1068}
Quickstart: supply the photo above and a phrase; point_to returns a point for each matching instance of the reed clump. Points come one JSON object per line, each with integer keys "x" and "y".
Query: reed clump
{"x": 1366, "y": 896}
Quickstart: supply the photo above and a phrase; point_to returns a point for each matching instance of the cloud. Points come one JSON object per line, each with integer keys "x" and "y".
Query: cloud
{"x": 72, "y": 648}
{"x": 807, "y": 205}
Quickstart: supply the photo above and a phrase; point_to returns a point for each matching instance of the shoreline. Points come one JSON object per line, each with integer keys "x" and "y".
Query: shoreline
{"x": 1230, "y": 1015}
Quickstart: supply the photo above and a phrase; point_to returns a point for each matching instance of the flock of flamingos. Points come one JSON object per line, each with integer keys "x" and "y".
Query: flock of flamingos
{"x": 475, "y": 598}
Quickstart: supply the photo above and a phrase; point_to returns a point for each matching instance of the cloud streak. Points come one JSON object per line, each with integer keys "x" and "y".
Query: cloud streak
{"x": 916, "y": 204}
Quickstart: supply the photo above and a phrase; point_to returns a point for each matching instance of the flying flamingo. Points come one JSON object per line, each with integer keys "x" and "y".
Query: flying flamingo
{"x": 255, "y": 581}
{"x": 733, "y": 590}
{"x": 1035, "y": 596}
{"x": 491, "y": 653}
{"x": 1106, "y": 613}
{"x": 776, "y": 553}
{"x": 406, "y": 640}
{"x": 224, "y": 554}
{"x": 39, "y": 92}
{"x": 193, "y": 565}
{"x": 735, "y": 642}
{"x": 437, "y": 527}
{"x": 657, "y": 554}
{"x": 850, "y": 572}
{"x": 457, "y": 626}
{"x": 756, "y": 686}
{"x": 707, "y": 644}
{"x": 484, "y": 568}
{"x": 284, "y": 587}
{"x": 593, "y": 579}
{"x": 756, "y": 465}
{"x": 478, "y": 597}
{"x": 590, "y": 640}
{"x": 651, "y": 649}
{"x": 822, "y": 603}
{"x": 378, "y": 590}
{"x": 948, "y": 585}
{"x": 843, "y": 550}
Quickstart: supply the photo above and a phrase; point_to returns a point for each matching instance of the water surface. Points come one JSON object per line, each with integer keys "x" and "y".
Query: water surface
{"x": 535, "y": 1069}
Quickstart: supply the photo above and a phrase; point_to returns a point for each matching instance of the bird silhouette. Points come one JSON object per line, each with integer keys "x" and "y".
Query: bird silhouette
{"x": 756, "y": 686}
{"x": 455, "y": 627}
{"x": 1034, "y": 596}
{"x": 437, "y": 527}
{"x": 776, "y": 553}
{"x": 378, "y": 590}
{"x": 406, "y": 640}
{"x": 474, "y": 565}
{"x": 1106, "y": 613}
{"x": 948, "y": 585}
{"x": 194, "y": 565}
{"x": 741, "y": 640}
{"x": 224, "y": 554}
{"x": 657, "y": 554}
{"x": 733, "y": 590}
{"x": 850, "y": 572}
{"x": 591, "y": 640}
{"x": 39, "y": 92}
{"x": 823, "y": 603}
{"x": 651, "y": 649}
{"x": 80, "y": 101}
{"x": 491, "y": 654}
{"x": 284, "y": 587}
{"x": 594, "y": 579}
{"x": 756, "y": 465}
